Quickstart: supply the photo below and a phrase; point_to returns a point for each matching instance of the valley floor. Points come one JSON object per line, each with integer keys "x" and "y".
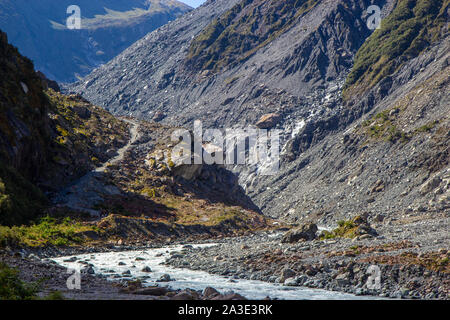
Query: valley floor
{"x": 412, "y": 257}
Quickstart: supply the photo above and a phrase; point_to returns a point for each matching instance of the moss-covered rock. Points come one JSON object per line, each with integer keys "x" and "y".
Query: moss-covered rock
{"x": 353, "y": 228}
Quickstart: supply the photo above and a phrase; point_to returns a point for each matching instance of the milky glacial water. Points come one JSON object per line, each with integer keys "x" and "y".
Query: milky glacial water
{"x": 108, "y": 265}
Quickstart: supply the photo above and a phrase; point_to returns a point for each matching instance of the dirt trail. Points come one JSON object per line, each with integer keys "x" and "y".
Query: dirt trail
{"x": 121, "y": 152}
{"x": 86, "y": 192}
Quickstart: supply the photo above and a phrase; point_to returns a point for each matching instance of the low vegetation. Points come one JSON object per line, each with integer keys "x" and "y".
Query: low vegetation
{"x": 12, "y": 288}
{"x": 345, "y": 229}
{"x": 48, "y": 231}
{"x": 411, "y": 28}
{"x": 433, "y": 261}
{"x": 242, "y": 30}
{"x": 383, "y": 127}
{"x": 83, "y": 130}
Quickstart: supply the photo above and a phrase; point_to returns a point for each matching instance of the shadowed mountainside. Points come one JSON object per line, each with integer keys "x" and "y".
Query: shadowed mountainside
{"x": 38, "y": 29}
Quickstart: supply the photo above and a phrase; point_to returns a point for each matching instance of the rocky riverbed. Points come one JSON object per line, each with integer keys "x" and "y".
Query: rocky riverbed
{"x": 411, "y": 256}
{"x": 412, "y": 261}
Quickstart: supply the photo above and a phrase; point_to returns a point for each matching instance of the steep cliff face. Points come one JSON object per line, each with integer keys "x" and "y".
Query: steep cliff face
{"x": 25, "y": 126}
{"x": 337, "y": 90}
{"x": 46, "y": 139}
{"x": 38, "y": 29}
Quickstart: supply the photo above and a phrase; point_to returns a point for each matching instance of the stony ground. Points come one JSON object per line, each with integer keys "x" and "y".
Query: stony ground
{"x": 53, "y": 278}
{"x": 412, "y": 257}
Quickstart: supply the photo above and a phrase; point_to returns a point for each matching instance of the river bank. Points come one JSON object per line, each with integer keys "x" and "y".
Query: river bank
{"x": 412, "y": 261}
{"x": 254, "y": 266}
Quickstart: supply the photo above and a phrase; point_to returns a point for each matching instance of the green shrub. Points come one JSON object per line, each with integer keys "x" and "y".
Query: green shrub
{"x": 12, "y": 288}
{"x": 345, "y": 229}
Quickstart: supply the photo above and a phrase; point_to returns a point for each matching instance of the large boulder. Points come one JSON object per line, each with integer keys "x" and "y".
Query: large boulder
{"x": 306, "y": 232}
{"x": 363, "y": 227}
{"x": 287, "y": 273}
{"x": 268, "y": 121}
{"x": 188, "y": 172}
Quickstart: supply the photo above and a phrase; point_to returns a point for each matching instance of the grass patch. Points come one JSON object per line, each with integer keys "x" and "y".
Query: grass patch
{"x": 382, "y": 126}
{"x": 49, "y": 231}
{"x": 12, "y": 288}
{"x": 412, "y": 27}
{"x": 427, "y": 127}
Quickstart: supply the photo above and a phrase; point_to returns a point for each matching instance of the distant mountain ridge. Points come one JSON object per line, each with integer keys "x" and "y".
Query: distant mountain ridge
{"x": 38, "y": 29}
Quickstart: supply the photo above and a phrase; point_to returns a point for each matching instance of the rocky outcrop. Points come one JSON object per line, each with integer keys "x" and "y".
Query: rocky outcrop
{"x": 268, "y": 121}
{"x": 306, "y": 232}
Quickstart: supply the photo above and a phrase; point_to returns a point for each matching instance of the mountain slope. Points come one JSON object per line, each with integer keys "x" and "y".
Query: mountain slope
{"x": 62, "y": 156}
{"x": 229, "y": 63}
{"x": 38, "y": 29}
{"x": 46, "y": 139}
{"x": 306, "y": 48}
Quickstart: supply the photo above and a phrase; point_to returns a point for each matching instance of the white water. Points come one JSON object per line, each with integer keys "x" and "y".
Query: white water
{"x": 103, "y": 263}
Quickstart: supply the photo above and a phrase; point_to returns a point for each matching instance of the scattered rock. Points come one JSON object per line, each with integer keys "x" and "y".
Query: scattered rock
{"x": 287, "y": 273}
{"x": 152, "y": 291}
{"x": 306, "y": 232}
{"x": 165, "y": 278}
{"x": 209, "y": 293}
{"x": 268, "y": 121}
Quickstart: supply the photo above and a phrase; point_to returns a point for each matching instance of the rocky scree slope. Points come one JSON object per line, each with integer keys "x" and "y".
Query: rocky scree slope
{"x": 375, "y": 147}
{"x": 50, "y": 142}
{"x": 385, "y": 151}
{"x": 229, "y": 62}
{"x": 38, "y": 29}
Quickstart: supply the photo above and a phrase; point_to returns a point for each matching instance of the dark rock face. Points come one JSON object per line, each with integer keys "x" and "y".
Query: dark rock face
{"x": 108, "y": 27}
{"x": 305, "y": 232}
{"x": 40, "y": 145}
{"x": 47, "y": 83}
{"x": 23, "y": 112}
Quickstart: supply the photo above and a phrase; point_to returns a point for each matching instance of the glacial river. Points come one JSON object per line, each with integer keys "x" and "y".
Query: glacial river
{"x": 115, "y": 266}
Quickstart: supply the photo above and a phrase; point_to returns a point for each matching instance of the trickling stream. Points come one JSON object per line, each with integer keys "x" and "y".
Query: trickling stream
{"x": 129, "y": 265}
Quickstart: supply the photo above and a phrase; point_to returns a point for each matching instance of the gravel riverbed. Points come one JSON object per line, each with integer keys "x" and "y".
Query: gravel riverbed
{"x": 408, "y": 258}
